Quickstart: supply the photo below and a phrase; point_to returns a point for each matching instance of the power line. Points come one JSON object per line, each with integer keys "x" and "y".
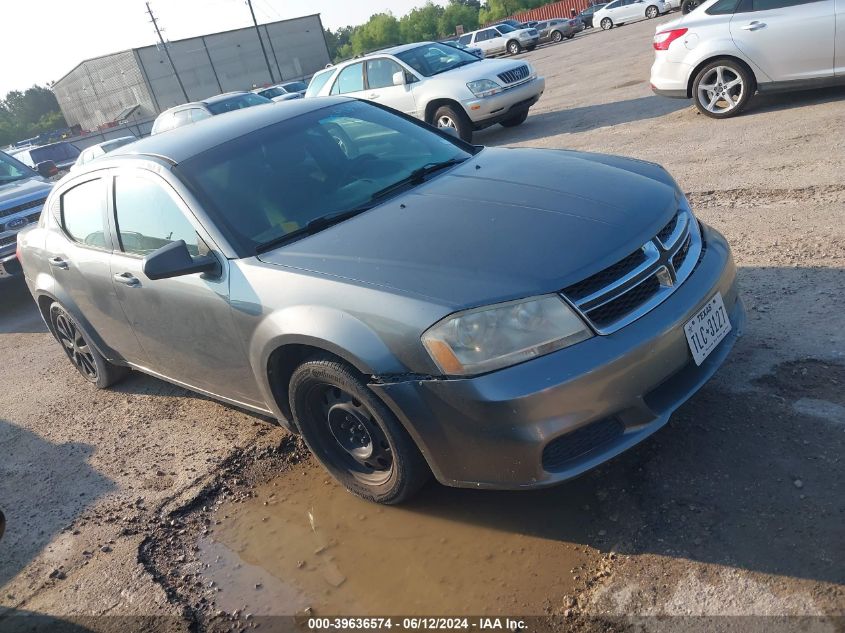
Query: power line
{"x": 167, "y": 52}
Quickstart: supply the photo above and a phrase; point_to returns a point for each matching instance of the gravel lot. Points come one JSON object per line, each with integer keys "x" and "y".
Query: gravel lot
{"x": 149, "y": 501}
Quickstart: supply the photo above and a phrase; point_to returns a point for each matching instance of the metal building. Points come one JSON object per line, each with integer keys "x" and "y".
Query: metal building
{"x": 137, "y": 84}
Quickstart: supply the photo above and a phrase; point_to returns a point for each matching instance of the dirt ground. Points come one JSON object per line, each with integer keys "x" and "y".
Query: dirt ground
{"x": 149, "y": 507}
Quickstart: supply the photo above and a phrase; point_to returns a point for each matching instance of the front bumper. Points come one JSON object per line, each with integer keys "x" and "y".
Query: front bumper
{"x": 487, "y": 111}
{"x": 491, "y": 431}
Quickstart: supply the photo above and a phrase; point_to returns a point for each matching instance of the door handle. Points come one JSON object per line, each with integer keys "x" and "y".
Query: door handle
{"x": 58, "y": 262}
{"x": 127, "y": 279}
{"x": 753, "y": 26}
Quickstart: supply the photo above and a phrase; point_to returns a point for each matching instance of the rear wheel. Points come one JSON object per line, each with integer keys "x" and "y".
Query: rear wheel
{"x": 606, "y": 24}
{"x": 652, "y": 12}
{"x": 353, "y": 434}
{"x": 454, "y": 117}
{"x": 722, "y": 89}
{"x": 517, "y": 119}
{"x": 78, "y": 348}
{"x": 689, "y": 5}
{"x": 514, "y": 47}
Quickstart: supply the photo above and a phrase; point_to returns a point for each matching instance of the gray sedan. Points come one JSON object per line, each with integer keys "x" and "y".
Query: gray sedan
{"x": 409, "y": 303}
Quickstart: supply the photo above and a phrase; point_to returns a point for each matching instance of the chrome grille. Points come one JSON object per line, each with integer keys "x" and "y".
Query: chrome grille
{"x": 514, "y": 74}
{"x": 620, "y": 294}
{"x": 22, "y": 207}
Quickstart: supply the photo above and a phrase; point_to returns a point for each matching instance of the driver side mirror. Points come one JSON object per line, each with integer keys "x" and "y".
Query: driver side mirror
{"x": 174, "y": 260}
{"x": 399, "y": 78}
{"x": 47, "y": 169}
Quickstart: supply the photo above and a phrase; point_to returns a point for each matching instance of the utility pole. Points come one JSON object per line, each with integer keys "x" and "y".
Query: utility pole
{"x": 260, "y": 41}
{"x": 167, "y": 52}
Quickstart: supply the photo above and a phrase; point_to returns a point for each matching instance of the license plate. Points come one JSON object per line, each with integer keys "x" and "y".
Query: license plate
{"x": 707, "y": 328}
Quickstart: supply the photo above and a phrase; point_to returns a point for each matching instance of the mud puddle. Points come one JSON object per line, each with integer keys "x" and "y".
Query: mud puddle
{"x": 303, "y": 541}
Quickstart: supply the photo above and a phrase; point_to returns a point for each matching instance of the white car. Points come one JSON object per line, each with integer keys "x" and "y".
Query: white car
{"x": 500, "y": 39}
{"x": 438, "y": 83}
{"x": 621, "y": 12}
{"x": 95, "y": 151}
{"x": 724, "y": 51}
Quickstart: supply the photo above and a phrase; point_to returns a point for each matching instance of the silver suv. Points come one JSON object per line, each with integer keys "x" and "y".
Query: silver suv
{"x": 438, "y": 83}
{"x": 501, "y": 39}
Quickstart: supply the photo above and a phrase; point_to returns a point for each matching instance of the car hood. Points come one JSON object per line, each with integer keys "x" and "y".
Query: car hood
{"x": 22, "y": 191}
{"x": 506, "y": 224}
{"x": 482, "y": 69}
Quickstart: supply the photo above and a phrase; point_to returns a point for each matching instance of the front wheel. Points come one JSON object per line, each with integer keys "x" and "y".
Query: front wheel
{"x": 78, "y": 347}
{"x": 353, "y": 434}
{"x": 557, "y": 37}
{"x": 517, "y": 119}
{"x": 652, "y": 12}
{"x": 606, "y": 24}
{"x": 452, "y": 117}
{"x": 514, "y": 47}
{"x": 722, "y": 89}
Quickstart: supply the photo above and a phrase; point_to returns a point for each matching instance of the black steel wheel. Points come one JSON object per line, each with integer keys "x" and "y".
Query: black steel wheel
{"x": 81, "y": 352}
{"x": 353, "y": 434}
{"x": 689, "y": 5}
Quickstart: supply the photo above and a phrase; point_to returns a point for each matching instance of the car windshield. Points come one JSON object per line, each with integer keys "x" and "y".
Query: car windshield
{"x": 433, "y": 59}
{"x": 318, "y": 81}
{"x": 57, "y": 153}
{"x": 294, "y": 86}
{"x": 275, "y": 91}
{"x": 11, "y": 169}
{"x": 505, "y": 28}
{"x": 236, "y": 103}
{"x": 267, "y": 184}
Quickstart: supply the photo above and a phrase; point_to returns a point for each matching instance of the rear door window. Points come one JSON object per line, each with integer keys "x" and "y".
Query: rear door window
{"x": 350, "y": 79}
{"x": 84, "y": 213}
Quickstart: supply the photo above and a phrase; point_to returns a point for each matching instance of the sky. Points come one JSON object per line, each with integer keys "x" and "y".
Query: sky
{"x": 42, "y": 40}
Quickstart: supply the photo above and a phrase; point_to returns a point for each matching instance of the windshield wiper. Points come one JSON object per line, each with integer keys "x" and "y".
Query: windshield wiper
{"x": 416, "y": 177}
{"x": 316, "y": 225}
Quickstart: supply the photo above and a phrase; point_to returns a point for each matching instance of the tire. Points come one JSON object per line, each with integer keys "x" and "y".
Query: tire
{"x": 606, "y": 24}
{"x": 652, "y": 12}
{"x": 513, "y": 47}
{"x": 722, "y": 88}
{"x": 557, "y": 36}
{"x": 455, "y": 117}
{"x": 515, "y": 120}
{"x": 82, "y": 354}
{"x": 689, "y": 5}
{"x": 570, "y": 36}
{"x": 353, "y": 434}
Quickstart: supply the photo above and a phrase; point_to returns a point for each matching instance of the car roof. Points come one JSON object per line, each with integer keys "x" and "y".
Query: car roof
{"x": 182, "y": 143}
{"x": 208, "y": 101}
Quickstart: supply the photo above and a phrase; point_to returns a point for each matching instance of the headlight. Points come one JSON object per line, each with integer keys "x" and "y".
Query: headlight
{"x": 484, "y": 87}
{"x": 484, "y": 339}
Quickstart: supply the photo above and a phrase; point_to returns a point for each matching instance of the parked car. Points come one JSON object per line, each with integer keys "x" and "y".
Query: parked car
{"x": 746, "y": 47}
{"x": 472, "y": 50}
{"x": 501, "y": 39}
{"x": 95, "y": 151}
{"x": 516, "y": 24}
{"x": 620, "y": 12}
{"x": 586, "y": 15}
{"x": 62, "y": 154}
{"x": 411, "y": 304}
{"x": 558, "y": 29}
{"x": 440, "y": 84}
{"x": 531, "y": 24}
{"x": 22, "y": 195}
{"x": 284, "y": 91}
{"x": 188, "y": 113}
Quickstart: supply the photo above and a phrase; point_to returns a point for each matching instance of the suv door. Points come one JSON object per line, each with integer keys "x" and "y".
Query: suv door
{"x": 184, "y": 324}
{"x": 380, "y": 88}
{"x": 787, "y": 39}
{"x": 80, "y": 246}
{"x": 490, "y": 41}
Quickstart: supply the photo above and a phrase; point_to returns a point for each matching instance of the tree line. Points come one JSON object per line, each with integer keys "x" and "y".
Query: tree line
{"x": 428, "y": 22}
{"x": 28, "y": 113}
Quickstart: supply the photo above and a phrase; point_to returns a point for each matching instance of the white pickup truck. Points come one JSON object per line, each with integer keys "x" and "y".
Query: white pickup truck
{"x": 438, "y": 83}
